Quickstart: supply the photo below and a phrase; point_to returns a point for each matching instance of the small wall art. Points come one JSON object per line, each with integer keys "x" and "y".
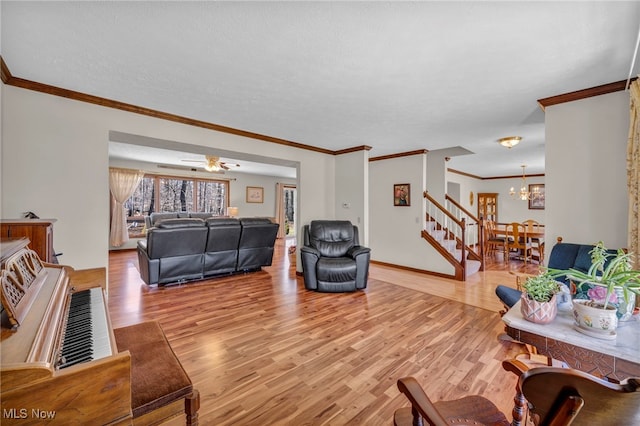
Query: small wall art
{"x": 402, "y": 194}
{"x": 255, "y": 194}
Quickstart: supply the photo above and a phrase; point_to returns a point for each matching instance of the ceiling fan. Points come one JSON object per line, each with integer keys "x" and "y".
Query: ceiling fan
{"x": 213, "y": 163}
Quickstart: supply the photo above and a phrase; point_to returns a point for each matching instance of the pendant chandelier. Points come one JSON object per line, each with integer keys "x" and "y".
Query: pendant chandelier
{"x": 524, "y": 194}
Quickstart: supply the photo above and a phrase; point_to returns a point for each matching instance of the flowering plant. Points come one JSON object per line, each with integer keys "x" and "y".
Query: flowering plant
{"x": 599, "y": 294}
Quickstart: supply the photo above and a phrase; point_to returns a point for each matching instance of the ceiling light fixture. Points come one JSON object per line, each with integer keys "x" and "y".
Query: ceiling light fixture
{"x": 212, "y": 165}
{"x": 510, "y": 141}
{"x": 524, "y": 194}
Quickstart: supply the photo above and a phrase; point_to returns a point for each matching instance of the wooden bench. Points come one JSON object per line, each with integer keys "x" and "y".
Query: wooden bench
{"x": 160, "y": 388}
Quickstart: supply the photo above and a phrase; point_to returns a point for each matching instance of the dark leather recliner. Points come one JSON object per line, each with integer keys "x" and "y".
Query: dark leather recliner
{"x": 332, "y": 258}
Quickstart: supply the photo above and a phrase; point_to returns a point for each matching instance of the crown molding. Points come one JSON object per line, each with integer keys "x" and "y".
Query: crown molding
{"x": 354, "y": 149}
{"x": 400, "y": 154}
{"x": 493, "y": 177}
{"x": 584, "y": 93}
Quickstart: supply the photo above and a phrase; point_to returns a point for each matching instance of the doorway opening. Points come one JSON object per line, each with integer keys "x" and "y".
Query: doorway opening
{"x": 289, "y": 200}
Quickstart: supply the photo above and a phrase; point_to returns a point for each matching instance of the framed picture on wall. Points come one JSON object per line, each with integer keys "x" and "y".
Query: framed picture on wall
{"x": 255, "y": 194}
{"x": 536, "y": 202}
{"x": 401, "y": 194}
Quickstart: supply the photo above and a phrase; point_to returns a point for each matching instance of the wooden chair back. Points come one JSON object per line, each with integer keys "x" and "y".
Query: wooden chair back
{"x": 545, "y": 395}
{"x": 489, "y": 229}
{"x": 517, "y": 240}
{"x": 532, "y": 226}
{"x": 560, "y": 396}
{"x": 516, "y": 236}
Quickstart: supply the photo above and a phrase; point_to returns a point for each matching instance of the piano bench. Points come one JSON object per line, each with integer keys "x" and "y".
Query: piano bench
{"x": 158, "y": 380}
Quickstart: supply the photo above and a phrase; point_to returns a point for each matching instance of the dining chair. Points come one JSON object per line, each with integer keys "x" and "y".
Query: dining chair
{"x": 517, "y": 241}
{"x": 537, "y": 243}
{"x": 493, "y": 241}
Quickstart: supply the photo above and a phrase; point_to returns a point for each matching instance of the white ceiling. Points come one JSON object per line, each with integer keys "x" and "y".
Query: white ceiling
{"x": 396, "y": 76}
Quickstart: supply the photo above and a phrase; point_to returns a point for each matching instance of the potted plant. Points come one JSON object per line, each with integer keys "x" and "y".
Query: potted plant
{"x": 539, "y": 298}
{"x": 606, "y": 292}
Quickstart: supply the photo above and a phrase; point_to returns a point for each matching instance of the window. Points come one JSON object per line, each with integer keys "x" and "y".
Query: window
{"x": 141, "y": 201}
{"x": 174, "y": 194}
{"x": 212, "y": 197}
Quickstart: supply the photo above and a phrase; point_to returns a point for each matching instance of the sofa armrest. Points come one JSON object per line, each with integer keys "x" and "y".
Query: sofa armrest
{"x": 149, "y": 268}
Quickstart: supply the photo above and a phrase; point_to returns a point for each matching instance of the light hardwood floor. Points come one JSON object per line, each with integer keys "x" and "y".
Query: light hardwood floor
{"x": 264, "y": 351}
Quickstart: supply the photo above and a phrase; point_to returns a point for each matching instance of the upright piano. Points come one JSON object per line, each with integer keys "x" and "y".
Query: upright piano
{"x": 59, "y": 359}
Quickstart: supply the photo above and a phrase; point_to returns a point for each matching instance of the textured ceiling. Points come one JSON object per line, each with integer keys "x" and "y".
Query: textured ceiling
{"x": 397, "y": 76}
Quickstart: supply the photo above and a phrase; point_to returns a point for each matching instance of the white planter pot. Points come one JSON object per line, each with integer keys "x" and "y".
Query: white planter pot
{"x": 595, "y": 321}
{"x": 625, "y": 308}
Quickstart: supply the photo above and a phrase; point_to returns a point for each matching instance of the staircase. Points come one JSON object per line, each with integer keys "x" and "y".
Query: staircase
{"x": 450, "y": 245}
{"x": 449, "y": 231}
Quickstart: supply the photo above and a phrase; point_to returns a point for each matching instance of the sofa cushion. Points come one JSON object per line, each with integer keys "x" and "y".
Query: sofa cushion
{"x": 583, "y": 258}
{"x": 180, "y": 223}
{"x": 336, "y": 269}
{"x": 201, "y": 215}
{"x": 222, "y": 221}
{"x": 563, "y": 255}
{"x": 255, "y": 220}
{"x": 158, "y": 216}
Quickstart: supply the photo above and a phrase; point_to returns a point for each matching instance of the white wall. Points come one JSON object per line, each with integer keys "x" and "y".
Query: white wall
{"x": 352, "y": 191}
{"x": 585, "y": 153}
{"x": 55, "y": 163}
{"x": 395, "y": 232}
{"x": 467, "y": 184}
{"x": 436, "y": 182}
{"x": 238, "y": 191}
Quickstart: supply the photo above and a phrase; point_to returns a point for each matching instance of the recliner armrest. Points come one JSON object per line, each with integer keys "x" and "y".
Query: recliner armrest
{"x": 310, "y": 250}
{"x": 357, "y": 251}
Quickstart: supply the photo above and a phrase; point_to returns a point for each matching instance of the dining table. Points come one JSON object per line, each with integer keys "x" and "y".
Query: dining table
{"x": 501, "y": 231}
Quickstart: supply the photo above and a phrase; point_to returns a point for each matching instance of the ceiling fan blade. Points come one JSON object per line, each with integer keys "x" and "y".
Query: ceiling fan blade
{"x": 193, "y": 161}
{"x": 188, "y": 168}
{"x": 229, "y": 164}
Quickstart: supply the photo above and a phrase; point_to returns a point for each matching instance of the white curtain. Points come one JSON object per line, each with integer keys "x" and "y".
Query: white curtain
{"x": 633, "y": 173}
{"x": 280, "y": 210}
{"x": 122, "y": 183}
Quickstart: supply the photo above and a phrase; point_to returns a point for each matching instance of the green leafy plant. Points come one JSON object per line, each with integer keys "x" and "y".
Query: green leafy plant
{"x": 608, "y": 270}
{"x": 542, "y": 287}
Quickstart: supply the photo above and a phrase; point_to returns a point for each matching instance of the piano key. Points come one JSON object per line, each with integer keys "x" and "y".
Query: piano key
{"x": 86, "y": 336}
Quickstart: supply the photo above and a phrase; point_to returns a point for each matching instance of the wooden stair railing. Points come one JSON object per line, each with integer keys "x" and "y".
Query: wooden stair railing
{"x": 471, "y": 222}
{"x": 455, "y": 229}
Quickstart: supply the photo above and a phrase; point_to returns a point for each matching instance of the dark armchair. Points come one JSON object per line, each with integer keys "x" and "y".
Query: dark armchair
{"x": 332, "y": 258}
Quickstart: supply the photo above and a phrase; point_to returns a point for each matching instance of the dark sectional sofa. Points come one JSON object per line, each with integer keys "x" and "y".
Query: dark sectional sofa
{"x": 185, "y": 249}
